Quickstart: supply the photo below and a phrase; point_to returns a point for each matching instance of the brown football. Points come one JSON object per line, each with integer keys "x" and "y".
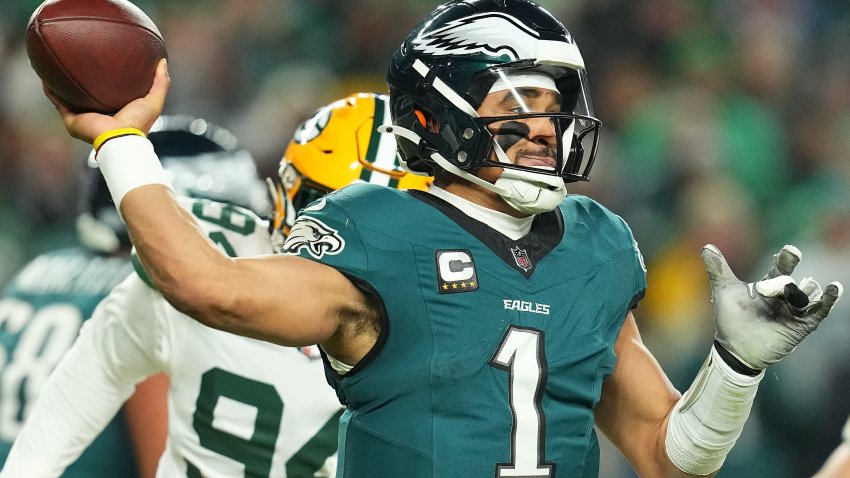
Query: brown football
{"x": 96, "y": 55}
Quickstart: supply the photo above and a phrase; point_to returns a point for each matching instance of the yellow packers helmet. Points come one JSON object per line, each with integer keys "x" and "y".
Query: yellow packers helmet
{"x": 337, "y": 146}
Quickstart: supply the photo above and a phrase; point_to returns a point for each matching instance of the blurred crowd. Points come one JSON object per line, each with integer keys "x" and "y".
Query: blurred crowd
{"x": 726, "y": 122}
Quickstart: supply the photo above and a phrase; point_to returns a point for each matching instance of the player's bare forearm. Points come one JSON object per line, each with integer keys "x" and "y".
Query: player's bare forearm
{"x": 282, "y": 299}
{"x": 176, "y": 255}
{"x": 146, "y": 414}
{"x": 194, "y": 276}
{"x": 636, "y": 403}
{"x": 189, "y": 271}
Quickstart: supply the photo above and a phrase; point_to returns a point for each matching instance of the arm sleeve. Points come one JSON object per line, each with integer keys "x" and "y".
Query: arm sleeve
{"x": 115, "y": 350}
{"x": 638, "y": 267}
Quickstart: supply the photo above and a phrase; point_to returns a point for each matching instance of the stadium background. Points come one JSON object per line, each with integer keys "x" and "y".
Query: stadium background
{"x": 726, "y": 121}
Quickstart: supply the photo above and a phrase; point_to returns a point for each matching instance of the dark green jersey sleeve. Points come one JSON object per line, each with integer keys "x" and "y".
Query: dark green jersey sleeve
{"x": 326, "y": 233}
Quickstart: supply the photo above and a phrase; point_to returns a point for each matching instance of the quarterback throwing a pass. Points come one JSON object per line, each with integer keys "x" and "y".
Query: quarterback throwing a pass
{"x": 484, "y": 327}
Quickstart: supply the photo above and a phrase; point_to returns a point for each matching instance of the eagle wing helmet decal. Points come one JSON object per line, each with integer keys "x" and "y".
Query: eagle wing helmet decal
{"x": 492, "y": 33}
{"x": 315, "y": 236}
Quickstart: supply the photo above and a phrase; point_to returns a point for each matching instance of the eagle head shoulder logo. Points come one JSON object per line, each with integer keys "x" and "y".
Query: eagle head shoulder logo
{"x": 315, "y": 236}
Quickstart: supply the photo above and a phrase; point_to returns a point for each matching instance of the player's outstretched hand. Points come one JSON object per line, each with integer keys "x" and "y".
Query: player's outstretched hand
{"x": 140, "y": 113}
{"x": 762, "y": 322}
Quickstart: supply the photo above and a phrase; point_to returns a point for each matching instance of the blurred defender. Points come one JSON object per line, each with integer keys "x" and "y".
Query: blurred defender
{"x": 237, "y": 406}
{"x": 41, "y": 312}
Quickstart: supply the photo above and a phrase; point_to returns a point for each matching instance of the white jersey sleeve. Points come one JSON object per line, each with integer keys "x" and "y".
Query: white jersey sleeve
{"x": 237, "y": 406}
{"x": 240, "y": 406}
{"x": 126, "y": 340}
{"x": 90, "y": 384}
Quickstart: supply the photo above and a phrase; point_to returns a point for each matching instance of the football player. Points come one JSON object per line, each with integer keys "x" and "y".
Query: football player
{"x": 238, "y": 406}
{"x": 41, "y": 312}
{"x": 484, "y": 327}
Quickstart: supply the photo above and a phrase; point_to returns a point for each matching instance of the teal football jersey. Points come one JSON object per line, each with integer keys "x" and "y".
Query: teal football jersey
{"x": 41, "y": 312}
{"x": 494, "y": 351}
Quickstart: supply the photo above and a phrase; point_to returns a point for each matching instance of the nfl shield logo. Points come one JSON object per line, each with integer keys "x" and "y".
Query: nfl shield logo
{"x": 521, "y": 258}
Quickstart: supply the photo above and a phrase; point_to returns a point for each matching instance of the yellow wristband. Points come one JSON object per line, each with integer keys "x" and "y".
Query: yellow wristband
{"x": 115, "y": 133}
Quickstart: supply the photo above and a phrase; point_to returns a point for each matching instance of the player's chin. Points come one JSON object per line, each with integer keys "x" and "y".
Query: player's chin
{"x": 537, "y": 162}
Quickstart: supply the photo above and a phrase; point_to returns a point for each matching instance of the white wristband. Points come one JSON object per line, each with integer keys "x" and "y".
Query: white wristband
{"x": 127, "y": 163}
{"x": 710, "y": 416}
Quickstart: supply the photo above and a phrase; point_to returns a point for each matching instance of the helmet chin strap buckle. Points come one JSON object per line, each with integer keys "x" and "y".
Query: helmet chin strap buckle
{"x": 524, "y": 191}
{"x": 530, "y": 193}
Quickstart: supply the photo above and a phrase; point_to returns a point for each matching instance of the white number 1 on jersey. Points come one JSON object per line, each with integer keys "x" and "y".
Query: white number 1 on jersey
{"x": 521, "y": 354}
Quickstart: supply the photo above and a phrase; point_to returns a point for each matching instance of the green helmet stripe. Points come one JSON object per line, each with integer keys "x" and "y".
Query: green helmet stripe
{"x": 374, "y": 139}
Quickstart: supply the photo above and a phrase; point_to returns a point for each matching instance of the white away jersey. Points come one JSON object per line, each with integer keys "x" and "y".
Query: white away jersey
{"x": 241, "y": 404}
{"x": 237, "y": 406}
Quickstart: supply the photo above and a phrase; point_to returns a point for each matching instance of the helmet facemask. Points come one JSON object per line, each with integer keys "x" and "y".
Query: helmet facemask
{"x": 531, "y": 115}
{"x": 534, "y": 121}
{"x": 448, "y": 65}
{"x": 541, "y": 112}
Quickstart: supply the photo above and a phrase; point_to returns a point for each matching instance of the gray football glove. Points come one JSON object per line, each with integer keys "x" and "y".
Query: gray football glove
{"x": 762, "y": 322}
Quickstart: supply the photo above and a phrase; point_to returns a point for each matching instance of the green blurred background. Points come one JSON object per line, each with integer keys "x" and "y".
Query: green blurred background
{"x": 726, "y": 121}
